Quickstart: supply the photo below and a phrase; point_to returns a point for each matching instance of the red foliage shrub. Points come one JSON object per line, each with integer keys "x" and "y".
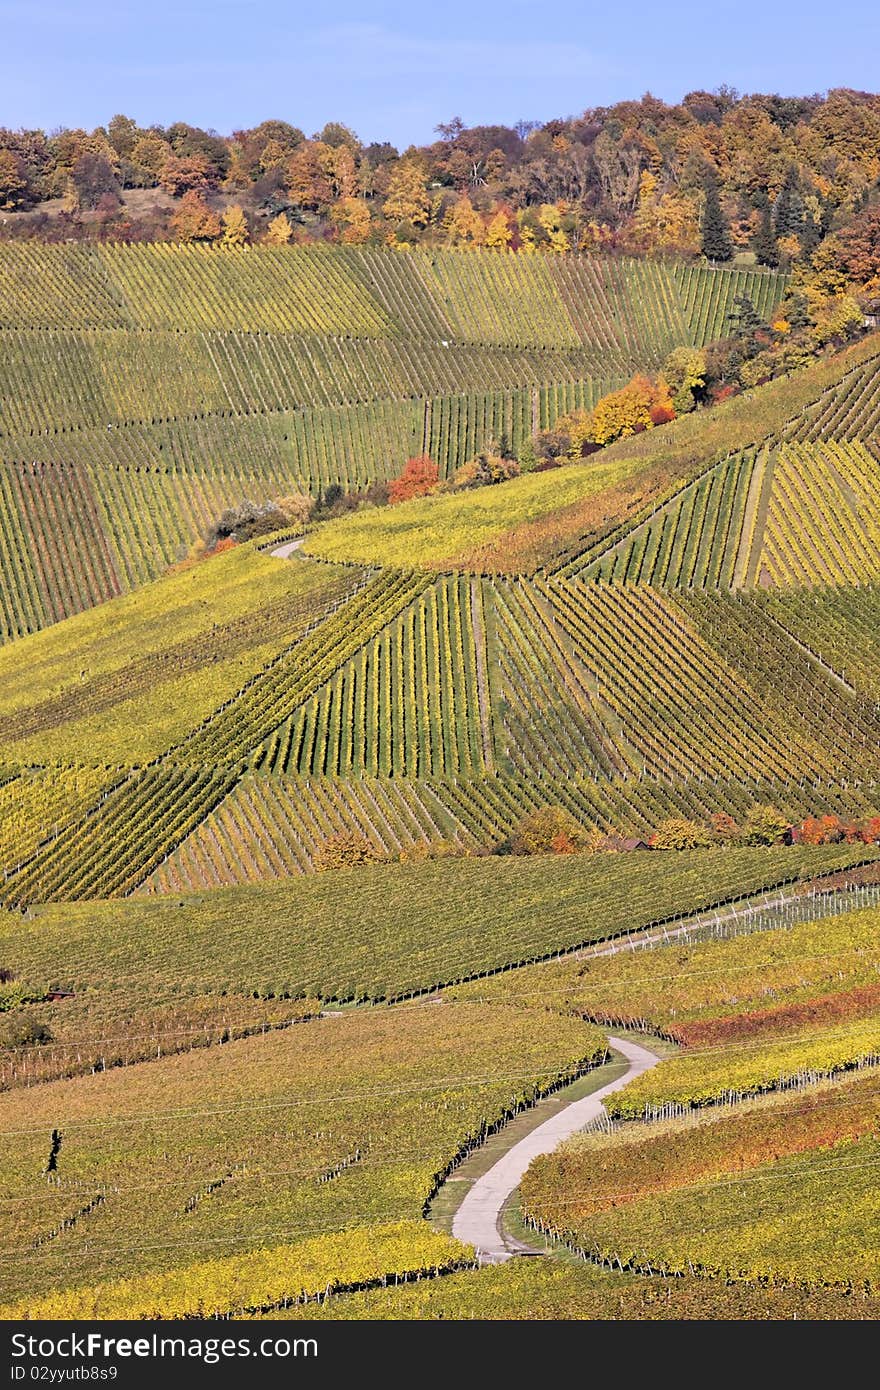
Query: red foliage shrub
{"x": 418, "y": 478}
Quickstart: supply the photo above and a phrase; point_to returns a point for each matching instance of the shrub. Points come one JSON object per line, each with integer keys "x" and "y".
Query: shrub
{"x": 724, "y": 829}
{"x": 347, "y": 850}
{"x": 297, "y": 507}
{"x": 245, "y": 521}
{"x": 483, "y": 471}
{"x": 679, "y": 833}
{"x": 820, "y": 830}
{"x": 419, "y": 477}
{"x": 549, "y": 830}
{"x": 23, "y": 1030}
{"x": 765, "y": 825}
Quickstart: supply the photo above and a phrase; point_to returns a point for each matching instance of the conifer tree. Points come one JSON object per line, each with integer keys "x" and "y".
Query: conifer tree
{"x": 764, "y": 240}
{"x": 715, "y": 233}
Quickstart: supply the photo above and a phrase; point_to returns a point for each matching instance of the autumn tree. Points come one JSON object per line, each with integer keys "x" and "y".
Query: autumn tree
{"x": 186, "y": 174}
{"x": 723, "y": 828}
{"x": 235, "y": 227}
{"x": 343, "y": 172}
{"x": 463, "y": 224}
{"x": 547, "y": 830}
{"x": 148, "y": 156}
{"x": 279, "y": 231}
{"x": 637, "y": 406}
{"x": 820, "y": 830}
{"x": 12, "y": 180}
{"x": 194, "y": 220}
{"x": 499, "y": 232}
{"x": 765, "y": 825}
{"x": 683, "y": 375}
{"x": 556, "y": 226}
{"x": 308, "y": 175}
{"x": 419, "y": 477}
{"x": 407, "y": 204}
{"x": 678, "y": 833}
{"x": 353, "y": 219}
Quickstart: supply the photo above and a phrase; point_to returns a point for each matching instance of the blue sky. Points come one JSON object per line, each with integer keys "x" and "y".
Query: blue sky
{"x": 393, "y": 70}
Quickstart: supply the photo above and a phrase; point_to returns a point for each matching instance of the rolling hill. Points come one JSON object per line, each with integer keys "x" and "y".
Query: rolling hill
{"x": 274, "y": 1066}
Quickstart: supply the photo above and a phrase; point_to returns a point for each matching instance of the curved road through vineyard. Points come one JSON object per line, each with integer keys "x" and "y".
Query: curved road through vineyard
{"x": 478, "y": 1220}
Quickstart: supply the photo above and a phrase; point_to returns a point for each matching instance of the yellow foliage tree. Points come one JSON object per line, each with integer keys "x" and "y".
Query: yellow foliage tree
{"x": 235, "y": 227}
{"x": 273, "y": 155}
{"x": 635, "y": 407}
{"x": 684, "y": 372}
{"x": 407, "y": 199}
{"x": 344, "y": 176}
{"x": 550, "y": 218}
{"x": 463, "y": 224}
{"x": 499, "y": 233}
{"x": 279, "y": 231}
{"x": 353, "y": 218}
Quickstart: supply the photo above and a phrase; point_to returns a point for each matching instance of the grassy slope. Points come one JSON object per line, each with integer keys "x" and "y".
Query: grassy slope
{"x": 428, "y": 531}
{"x": 528, "y": 522}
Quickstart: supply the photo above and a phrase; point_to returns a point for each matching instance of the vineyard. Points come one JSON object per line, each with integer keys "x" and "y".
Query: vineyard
{"x": 419, "y": 713}
{"x": 633, "y": 309}
{"x": 767, "y": 1184}
{"x": 143, "y": 389}
{"x": 419, "y": 925}
{"x": 276, "y": 951}
{"x": 342, "y": 1155}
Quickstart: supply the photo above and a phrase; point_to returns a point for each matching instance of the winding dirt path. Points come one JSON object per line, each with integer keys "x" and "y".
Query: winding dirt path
{"x": 284, "y": 552}
{"x": 478, "y": 1220}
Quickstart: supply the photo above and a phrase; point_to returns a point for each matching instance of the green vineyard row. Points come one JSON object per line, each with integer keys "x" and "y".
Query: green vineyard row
{"x": 629, "y": 308}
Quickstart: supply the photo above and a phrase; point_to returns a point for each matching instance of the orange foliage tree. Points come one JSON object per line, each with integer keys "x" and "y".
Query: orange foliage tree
{"x": 419, "y": 477}
{"x": 194, "y": 220}
{"x": 638, "y": 406}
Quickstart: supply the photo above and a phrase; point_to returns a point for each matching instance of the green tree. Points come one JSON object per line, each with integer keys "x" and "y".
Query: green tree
{"x": 788, "y": 214}
{"x": 714, "y": 230}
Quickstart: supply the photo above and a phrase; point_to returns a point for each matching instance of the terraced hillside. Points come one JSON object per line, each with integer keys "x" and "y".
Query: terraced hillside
{"x": 728, "y": 497}
{"x": 145, "y": 388}
{"x": 220, "y": 726}
{"x": 212, "y": 1032}
{"x": 803, "y": 508}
